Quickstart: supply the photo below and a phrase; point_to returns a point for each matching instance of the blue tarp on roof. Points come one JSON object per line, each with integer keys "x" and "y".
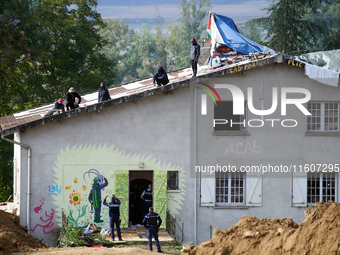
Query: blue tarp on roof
{"x": 233, "y": 39}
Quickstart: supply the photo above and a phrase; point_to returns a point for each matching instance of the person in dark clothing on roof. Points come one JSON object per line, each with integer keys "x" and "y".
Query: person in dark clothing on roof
{"x": 161, "y": 77}
{"x": 57, "y": 107}
{"x": 71, "y": 96}
{"x": 114, "y": 216}
{"x": 194, "y": 55}
{"x": 103, "y": 93}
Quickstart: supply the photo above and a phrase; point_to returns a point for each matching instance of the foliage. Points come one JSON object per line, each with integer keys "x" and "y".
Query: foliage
{"x": 251, "y": 30}
{"x": 70, "y": 235}
{"x": 191, "y": 25}
{"x": 47, "y": 46}
{"x": 300, "y": 26}
{"x": 6, "y": 171}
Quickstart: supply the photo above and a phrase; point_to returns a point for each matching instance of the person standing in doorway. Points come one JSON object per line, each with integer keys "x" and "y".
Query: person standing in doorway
{"x": 152, "y": 221}
{"x": 194, "y": 55}
{"x": 134, "y": 204}
{"x": 147, "y": 197}
{"x": 114, "y": 216}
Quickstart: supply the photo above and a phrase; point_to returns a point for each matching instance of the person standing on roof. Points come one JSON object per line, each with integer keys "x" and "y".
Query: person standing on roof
{"x": 71, "y": 96}
{"x": 57, "y": 107}
{"x": 103, "y": 93}
{"x": 194, "y": 55}
{"x": 160, "y": 77}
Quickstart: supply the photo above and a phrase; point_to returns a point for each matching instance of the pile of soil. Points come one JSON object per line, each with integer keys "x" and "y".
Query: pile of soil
{"x": 14, "y": 237}
{"x": 319, "y": 233}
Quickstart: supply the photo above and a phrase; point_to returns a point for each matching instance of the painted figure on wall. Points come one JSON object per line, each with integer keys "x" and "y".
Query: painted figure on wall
{"x": 95, "y": 196}
{"x": 48, "y": 222}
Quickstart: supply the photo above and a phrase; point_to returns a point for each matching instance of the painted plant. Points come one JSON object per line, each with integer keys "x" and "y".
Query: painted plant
{"x": 77, "y": 210}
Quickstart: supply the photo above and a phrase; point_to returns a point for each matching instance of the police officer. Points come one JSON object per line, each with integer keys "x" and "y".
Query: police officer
{"x": 147, "y": 197}
{"x": 152, "y": 221}
{"x": 114, "y": 216}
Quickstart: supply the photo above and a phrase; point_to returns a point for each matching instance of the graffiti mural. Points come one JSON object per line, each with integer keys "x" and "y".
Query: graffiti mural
{"x": 77, "y": 207}
{"x": 88, "y": 173}
{"x": 48, "y": 222}
{"x": 38, "y": 209}
{"x": 54, "y": 190}
{"x": 95, "y": 197}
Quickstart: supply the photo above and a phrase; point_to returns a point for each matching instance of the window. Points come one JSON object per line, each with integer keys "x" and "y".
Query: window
{"x": 228, "y": 121}
{"x": 229, "y": 188}
{"x": 173, "y": 180}
{"x": 324, "y": 118}
{"x": 321, "y": 187}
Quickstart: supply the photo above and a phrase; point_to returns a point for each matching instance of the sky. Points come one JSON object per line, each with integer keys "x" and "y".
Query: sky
{"x": 240, "y": 11}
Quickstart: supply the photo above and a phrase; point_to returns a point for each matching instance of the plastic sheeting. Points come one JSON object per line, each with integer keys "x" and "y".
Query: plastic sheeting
{"x": 227, "y": 33}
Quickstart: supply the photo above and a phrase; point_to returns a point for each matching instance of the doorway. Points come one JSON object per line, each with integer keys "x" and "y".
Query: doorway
{"x": 138, "y": 182}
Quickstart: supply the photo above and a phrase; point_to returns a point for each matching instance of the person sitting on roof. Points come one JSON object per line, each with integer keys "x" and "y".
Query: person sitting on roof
{"x": 161, "y": 77}
{"x": 57, "y": 107}
{"x": 103, "y": 93}
{"x": 71, "y": 96}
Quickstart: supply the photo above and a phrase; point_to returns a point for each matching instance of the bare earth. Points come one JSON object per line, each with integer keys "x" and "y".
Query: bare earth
{"x": 89, "y": 251}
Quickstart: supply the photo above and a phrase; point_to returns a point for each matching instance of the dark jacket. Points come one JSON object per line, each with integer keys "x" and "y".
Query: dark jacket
{"x": 58, "y": 106}
{"x": 161, "y": 77}
{"x": 71, "y": 97}
{"x": 113, "y": 208}
{"x": 103, "y": 94}
{"x": 152, "y": 220}
{"x": 194, "y": 50}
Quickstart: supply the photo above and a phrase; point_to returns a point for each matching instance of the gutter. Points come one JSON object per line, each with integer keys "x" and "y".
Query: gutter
{"x": 195, "y": 174}
{"x": 28, "y": 178}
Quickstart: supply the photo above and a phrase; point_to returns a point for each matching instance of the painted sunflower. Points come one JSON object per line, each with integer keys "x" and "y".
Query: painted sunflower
{"x": 75, "y": 198}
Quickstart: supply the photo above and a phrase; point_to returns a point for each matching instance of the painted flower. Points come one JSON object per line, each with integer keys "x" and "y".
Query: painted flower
{"x": 75, "y": 198}
{"x": 75, "y": 180}
{"x": 83, "y": 187}
{"x": 68, "y": 187}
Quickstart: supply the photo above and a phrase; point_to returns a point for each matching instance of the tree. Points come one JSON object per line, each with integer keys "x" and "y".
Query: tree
{"x": 287, "y": 28}
{"x": 70, "y": 48}
{"x": 191, "y": 25}
{"x": 46, "y": 46}
{"x": 251, "y": 30}
{"x": 327, "y": 15}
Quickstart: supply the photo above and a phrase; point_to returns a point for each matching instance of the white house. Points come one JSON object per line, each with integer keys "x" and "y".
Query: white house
{"x": 144, "y": 135}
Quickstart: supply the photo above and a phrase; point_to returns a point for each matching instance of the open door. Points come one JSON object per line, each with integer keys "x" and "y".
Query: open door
{"x": 160, "y": 195}
{"x": 122, "y": 193}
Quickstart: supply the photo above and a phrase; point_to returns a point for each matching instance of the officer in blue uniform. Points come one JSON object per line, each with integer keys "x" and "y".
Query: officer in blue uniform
{"x": 152, "y": 221}
{"x": 147, "y": 197}
{"x": 114, "y": 216}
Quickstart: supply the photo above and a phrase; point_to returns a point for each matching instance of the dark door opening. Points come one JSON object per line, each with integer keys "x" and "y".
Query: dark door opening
{"x": 139, "y": 181}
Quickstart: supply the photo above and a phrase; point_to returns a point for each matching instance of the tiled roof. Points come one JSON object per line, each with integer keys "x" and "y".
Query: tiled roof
{"x": 129, "y": 92}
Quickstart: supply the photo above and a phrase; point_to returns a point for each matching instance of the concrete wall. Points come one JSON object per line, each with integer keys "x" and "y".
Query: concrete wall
{"x": 156, "y": 126}
{"x": 265, "y": 145}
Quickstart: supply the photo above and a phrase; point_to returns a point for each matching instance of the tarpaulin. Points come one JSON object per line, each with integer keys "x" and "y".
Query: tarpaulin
{"x": 224, "y": 31}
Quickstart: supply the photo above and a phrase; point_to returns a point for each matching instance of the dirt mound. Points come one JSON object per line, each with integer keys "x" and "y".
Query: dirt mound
{"x": 318, "y": 234}
{"x": 13, "y": 237}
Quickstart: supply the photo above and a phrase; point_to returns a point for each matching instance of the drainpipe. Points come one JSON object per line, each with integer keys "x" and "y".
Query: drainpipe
{"x": 195, "y": 174}
{"x": 28, "y": 177}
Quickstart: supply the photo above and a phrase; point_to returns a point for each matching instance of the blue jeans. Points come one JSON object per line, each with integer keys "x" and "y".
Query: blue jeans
{"x": 153, "y": 232}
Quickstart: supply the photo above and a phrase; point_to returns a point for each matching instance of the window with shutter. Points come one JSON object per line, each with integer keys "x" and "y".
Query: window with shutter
{"x": 207, "y": 189}
{"x": 254, "y": 189}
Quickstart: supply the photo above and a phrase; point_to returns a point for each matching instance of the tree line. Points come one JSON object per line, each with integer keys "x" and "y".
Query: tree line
{"x": 47, "y": 46}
